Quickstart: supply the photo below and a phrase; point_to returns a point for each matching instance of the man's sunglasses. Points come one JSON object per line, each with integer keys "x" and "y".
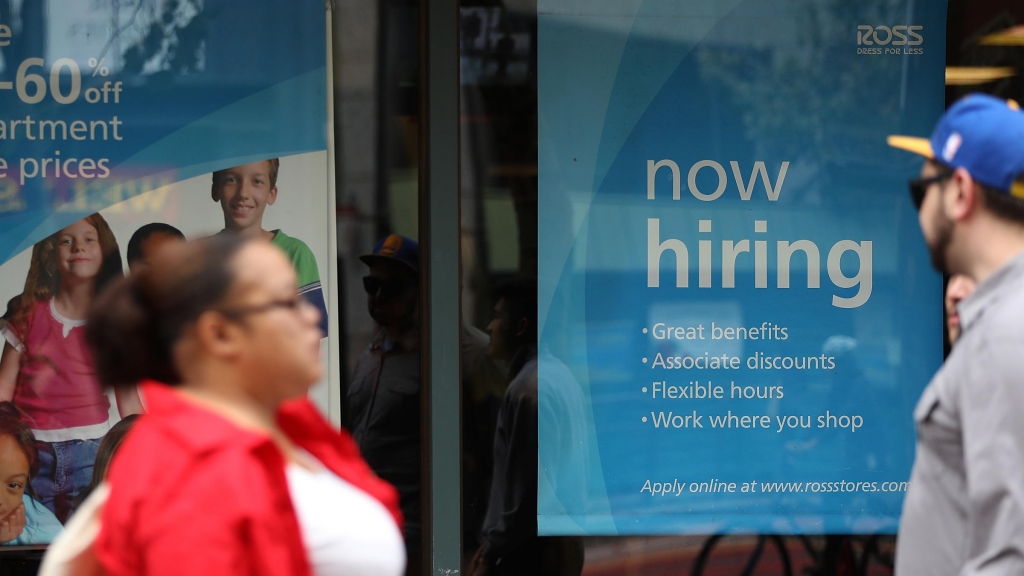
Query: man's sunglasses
{"x": 386, "y": 288}
{"x": 919, "y": 187}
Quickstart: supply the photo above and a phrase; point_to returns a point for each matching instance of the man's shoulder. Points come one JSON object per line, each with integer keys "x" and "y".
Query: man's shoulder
{"x": 987, "y": 356}
{"x": 369, "y": 359}
{"x": 524, "y": 384}
{"x": 1004, "y": 317}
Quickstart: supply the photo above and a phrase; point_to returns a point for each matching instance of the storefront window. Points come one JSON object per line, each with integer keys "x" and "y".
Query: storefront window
{"x": 690, "y": 277}
{"x": 376, "y": 78}
{"x": 142, "y": 122}
{"x": 580, "y": 128}
{"x": 127, "y": 126}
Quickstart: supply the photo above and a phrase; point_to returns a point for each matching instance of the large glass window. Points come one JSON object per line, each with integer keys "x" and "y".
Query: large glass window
{"x": 499, "y": 47}
{"x": 376, "y": 75}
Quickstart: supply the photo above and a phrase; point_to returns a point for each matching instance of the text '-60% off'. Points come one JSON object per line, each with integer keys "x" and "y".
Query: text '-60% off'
{"x": 31, "y": 84}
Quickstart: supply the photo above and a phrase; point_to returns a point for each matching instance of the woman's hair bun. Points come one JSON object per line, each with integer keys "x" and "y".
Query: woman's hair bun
{"x": 119, "y": 332}
{"x": 135, "y": 322}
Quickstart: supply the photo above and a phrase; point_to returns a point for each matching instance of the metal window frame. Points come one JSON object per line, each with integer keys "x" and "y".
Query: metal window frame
{"x": 439, "y": 224}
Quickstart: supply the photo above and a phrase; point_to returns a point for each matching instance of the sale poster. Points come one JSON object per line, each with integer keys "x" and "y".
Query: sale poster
{"x": 125, "y": 125}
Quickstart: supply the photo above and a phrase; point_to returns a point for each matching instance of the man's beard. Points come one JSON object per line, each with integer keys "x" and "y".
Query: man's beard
{"x": 943, "y": 237}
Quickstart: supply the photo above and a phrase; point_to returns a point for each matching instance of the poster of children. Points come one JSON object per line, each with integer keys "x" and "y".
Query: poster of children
{"x": 131, "y": 129}
{"x": 46, "y": 378}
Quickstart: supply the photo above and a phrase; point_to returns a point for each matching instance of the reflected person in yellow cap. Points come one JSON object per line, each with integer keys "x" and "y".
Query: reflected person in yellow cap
{"x": 964, "y": 508}
{"x": 383, "y": 396}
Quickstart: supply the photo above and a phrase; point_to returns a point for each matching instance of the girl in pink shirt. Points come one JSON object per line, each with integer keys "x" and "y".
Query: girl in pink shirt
{"x": 45, "y": 368}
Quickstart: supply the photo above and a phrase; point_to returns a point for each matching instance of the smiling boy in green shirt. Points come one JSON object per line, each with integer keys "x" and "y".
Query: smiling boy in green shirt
{"x": 244, "y": 192}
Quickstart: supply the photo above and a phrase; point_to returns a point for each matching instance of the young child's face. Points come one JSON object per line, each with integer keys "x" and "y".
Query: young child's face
{"x": 78, "y": 251}
{"x": 244, "y": 193}
{"x": 149, "y": 247}
{"x": 14, "y": 473}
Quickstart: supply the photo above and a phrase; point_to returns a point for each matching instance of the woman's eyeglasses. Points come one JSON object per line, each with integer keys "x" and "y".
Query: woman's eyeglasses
{"x": 386, "y": 288}
{"x": 294, "y": 304}
{"x": 919, "y": 187}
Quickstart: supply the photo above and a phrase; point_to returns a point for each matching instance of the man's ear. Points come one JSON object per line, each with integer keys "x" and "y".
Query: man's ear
{"x": 964, "y": 199}
{"x": 215, "y": 192}
{"x": 272, "y": 197}
{"x": 521, "y": 327}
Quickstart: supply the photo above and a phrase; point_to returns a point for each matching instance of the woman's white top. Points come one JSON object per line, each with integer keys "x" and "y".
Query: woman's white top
{"x": 346, "y": 531}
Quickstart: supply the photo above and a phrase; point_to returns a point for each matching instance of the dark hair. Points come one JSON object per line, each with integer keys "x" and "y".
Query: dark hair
{"x": 1003, "y": 204}
{"x": 12, "y": 308}
{"x": 12, "y": 425}
{"x": 133, "y": 326}
{"x": 135, "y": 244}
{"x": 520, "y": 294}
{"x": 105, "y": 453}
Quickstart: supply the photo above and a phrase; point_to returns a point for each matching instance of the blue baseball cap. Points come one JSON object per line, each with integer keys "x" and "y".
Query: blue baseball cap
{"x": 395, "y": 248}
{"x": 981, "y": 134}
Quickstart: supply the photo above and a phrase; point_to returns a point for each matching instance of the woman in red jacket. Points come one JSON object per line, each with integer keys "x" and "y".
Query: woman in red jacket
{"x": 232, "y": 470}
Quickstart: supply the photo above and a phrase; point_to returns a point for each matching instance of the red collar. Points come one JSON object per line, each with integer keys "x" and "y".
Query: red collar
{"x": 203, "y": 430}
{"x": 199, "y": 428}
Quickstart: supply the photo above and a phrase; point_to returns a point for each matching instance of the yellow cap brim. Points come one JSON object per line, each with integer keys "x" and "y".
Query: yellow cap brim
{"x": 1017, "y": 190}
{"x": 913, "y": 144}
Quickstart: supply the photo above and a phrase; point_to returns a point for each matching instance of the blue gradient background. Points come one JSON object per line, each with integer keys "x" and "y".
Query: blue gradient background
{"x": 262, "y": 93}
{"x": 754, "y": 80}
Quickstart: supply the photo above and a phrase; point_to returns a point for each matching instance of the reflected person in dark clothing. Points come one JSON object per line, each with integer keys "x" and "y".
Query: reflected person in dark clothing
{"x": 384, "y": 394}
{"x": 510, "y": 542}
{"x": 483, "y": 385}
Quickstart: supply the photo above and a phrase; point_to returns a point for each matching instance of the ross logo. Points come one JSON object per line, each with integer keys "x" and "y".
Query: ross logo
{"x": 885, "y": 35}
{"x": 889, "y": 39}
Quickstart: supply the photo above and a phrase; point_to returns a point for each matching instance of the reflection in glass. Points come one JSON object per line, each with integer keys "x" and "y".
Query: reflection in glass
{"x": 376, "y": 107}
{"x": 771, "y": 100}
{"x": 383, "y": 396}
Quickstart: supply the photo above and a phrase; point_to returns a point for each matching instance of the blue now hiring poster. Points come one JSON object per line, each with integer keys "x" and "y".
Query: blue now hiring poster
{"x": 126, "y": 124}
{"x": 737, "y": 311}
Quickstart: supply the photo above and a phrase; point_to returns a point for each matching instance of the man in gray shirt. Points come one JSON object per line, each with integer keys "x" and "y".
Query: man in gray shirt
{"x": 964, "y": 510}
